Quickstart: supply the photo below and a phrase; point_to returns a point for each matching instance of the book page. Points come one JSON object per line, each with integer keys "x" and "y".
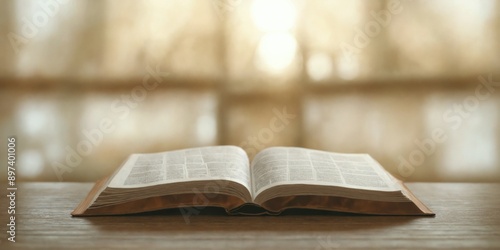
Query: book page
{"x": 206, "y": 163}
{"x": 289, "y": 165}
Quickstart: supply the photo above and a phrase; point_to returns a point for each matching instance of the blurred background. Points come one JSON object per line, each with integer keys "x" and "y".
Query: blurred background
{"x": 83, "y": 84}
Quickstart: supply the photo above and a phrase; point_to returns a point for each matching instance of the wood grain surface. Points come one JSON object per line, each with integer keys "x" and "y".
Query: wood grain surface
{"x": 467, "y": 216}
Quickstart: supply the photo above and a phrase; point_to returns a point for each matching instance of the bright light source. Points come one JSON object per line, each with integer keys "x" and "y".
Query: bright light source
{"x": 273, "y": 15}
{"x": 276, "y": 51}
{"x": 319, "y": 66}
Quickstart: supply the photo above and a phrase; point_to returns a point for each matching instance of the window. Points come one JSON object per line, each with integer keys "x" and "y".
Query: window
{"x": 85, "y": 83}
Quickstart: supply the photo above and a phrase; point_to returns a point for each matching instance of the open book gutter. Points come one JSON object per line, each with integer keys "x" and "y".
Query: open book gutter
{"x": 278, "y": 178}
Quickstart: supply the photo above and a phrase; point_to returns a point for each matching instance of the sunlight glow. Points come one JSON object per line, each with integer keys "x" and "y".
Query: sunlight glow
{"x": 273, "y": 15}
{"x": 276, "y": 51}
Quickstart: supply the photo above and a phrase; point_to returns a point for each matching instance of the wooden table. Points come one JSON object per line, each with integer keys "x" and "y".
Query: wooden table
{"x": 468, "y": 216}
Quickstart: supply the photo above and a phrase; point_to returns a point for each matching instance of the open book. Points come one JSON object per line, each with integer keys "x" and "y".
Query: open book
{"x": 278, "y": 178}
